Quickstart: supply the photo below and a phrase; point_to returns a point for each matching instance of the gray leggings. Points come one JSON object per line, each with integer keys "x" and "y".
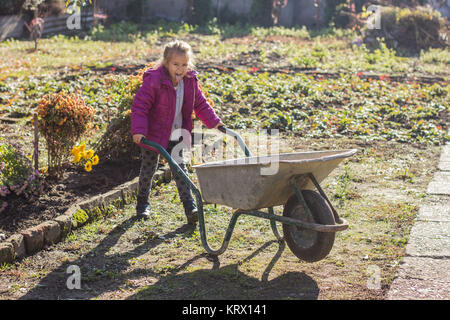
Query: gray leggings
{"x": 149, "y": 166}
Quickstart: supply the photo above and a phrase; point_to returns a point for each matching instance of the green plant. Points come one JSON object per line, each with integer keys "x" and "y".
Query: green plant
{"x": 343, "y": 183}
{"x": 16, "y": 174}
{"x": 123, "y": 31}
{"x": 80, "y": 216}
{"x": 77, "y": 3}
{"x": 63, "y": 119}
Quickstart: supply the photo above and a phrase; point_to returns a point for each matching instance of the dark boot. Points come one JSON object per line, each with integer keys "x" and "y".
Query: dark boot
{"x": 143, "y": 210}
{"x": 191, "y": 212}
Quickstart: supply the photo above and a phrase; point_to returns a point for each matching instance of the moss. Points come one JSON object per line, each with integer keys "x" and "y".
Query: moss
{"x": 80, "y": 216}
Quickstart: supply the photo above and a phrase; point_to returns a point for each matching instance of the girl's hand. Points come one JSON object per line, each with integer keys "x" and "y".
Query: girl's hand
{"x": 219, "y": 124}
{"x": 137, "y": 138}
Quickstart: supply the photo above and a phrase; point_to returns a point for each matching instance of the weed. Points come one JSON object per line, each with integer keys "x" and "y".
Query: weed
{"x": 343, "y": 183}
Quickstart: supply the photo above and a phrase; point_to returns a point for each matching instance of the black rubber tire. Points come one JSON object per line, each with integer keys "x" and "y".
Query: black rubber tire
{"x": 306, "y": 244}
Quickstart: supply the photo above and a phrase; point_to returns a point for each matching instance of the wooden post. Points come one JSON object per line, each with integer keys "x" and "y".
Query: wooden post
{"x": 36, "y": 142}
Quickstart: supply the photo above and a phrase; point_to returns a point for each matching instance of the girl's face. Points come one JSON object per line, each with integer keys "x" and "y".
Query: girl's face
{"x": 177, "y": 66}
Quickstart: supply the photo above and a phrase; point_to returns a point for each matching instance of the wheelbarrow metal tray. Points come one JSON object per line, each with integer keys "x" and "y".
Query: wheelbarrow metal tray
{"x": 261, "y": 182}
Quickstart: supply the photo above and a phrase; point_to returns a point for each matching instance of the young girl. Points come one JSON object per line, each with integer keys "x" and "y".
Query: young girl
{"x": 164, "y": 103}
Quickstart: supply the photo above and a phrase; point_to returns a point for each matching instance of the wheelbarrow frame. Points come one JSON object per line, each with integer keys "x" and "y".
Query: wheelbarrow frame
{"x": 340, "y": 225}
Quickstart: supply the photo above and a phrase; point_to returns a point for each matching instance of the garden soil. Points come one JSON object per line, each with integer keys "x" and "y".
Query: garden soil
{"x": 58, "y": 195}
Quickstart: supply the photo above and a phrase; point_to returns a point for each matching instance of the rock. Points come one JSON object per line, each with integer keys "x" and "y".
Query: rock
{"x": 65, "y": 223}
{"x": 6, "y": 252}
{"x": 91, "y": 203}
{"x": 111, "y": 196}
{"x": 34, "y": 239}
{"x": 18, "y": 243}
{"x": 129, "y": 189}
{"x": 440, "y": 185}
{"x": 52, "y": 232}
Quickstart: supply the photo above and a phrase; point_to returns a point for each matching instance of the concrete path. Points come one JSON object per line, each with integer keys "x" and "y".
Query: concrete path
{"x": 424, "y": 272}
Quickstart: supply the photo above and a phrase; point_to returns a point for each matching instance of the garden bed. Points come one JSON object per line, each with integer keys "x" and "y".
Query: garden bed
{"x": 58, "y": 195}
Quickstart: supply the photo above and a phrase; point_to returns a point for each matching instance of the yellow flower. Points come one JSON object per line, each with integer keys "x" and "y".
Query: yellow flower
{"x": 88, "y": 166}
{"x": 89, "y": 154}
{"x": 95, "y": 160}
{"x": 76, "y": 158}
{"x": 75, "y": 151}
{"x": 81, "y": 148}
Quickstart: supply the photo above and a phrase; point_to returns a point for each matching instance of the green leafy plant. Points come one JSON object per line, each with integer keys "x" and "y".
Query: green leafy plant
{"x": 80, "y": 216}
{"x": 343, "y": 183}
{"x": 372, "y": 109}
{"x": 123, "y": 31}
{"x": 17, "y": 177}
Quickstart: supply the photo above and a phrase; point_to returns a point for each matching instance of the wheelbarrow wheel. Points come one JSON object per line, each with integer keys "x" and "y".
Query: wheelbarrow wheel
{"x": 306, "y": 244}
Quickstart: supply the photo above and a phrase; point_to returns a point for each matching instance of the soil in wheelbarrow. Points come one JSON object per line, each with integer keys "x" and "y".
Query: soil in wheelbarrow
{"x": 59, "y": 194}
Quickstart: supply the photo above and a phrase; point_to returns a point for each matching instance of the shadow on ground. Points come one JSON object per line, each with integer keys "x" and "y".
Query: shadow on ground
{"x": 106, "y": 274}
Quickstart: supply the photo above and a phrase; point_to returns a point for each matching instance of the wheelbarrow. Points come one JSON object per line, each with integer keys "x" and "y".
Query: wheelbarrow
{"x": 309, "y": 220}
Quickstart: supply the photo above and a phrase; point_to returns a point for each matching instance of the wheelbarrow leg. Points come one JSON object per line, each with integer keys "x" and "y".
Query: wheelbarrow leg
{"x": 273, "y": 224}
{"x": 322, "y": 193}
{"x": 228, "y": 233}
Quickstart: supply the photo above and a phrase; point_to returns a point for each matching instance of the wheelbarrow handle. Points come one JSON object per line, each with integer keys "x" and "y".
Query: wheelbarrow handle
{"x": 172, "y": 164}
{"x": 198, "y": 197}
{"x": 237, "y": 137}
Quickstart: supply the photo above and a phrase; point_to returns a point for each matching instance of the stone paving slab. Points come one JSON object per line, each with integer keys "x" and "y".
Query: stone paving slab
{"x": 434, "y": 213}
{"x": 444, "y": 161}
{"x": 425, "y": 271}
{"x": 440, "y": 183}
{"x": 429, "y": 239}
{"x": 421, "y": 278}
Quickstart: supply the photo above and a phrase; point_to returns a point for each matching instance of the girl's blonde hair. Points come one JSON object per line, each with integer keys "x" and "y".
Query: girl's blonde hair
{"x": 180, "y": 47}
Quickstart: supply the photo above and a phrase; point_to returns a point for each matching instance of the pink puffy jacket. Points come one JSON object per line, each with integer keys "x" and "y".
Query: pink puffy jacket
{"x": 153, "y": 108}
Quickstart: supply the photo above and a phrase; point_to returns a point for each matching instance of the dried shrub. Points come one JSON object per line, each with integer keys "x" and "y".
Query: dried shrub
{"x": 117, "y": 142}
{"x": 63, "y": 119}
